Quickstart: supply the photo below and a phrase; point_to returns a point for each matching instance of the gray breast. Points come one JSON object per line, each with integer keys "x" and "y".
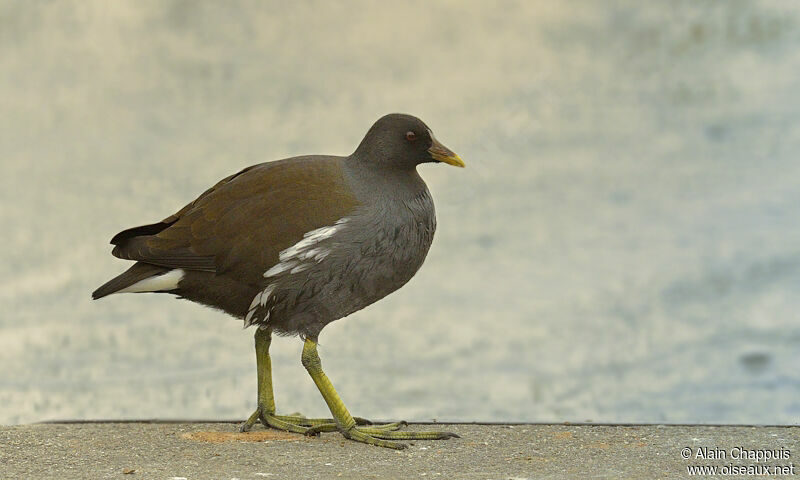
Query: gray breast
{"x": 339, "y": 269}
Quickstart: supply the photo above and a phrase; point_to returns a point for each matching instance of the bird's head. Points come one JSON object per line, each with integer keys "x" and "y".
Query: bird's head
{"x": 403, "y": 141}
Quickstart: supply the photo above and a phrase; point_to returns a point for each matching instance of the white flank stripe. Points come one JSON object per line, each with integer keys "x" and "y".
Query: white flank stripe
{"x": 310, "y": 238}
{"x": 260, "y": 300}
{"x": 265, "y": 294}
{"x": 301, "y": 267}
{"x": 248, "y": 320}
{"x": 292, "y": 258}
{"x": 309, "y": 253}
{"x": 160, "y": 283}
{"x": 279, "y": 268}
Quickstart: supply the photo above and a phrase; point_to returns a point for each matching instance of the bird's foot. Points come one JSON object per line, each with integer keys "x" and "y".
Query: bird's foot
{"x": 366, "y": 427}
{"x": 294, "y": 422}
{"x": 385, "y": 435}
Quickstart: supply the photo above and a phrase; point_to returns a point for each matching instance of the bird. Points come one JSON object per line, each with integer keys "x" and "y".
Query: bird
{"x": 291, "y": 245}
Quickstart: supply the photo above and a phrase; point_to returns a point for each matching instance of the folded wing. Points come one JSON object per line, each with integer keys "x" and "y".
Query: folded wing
{"x": 245, "y": 220}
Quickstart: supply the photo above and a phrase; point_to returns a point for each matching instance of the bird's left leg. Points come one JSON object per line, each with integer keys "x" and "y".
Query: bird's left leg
{"x": 265, "y": 413}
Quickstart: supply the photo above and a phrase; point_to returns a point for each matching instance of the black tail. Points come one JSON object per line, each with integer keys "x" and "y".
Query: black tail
{"x": 139, "y": 271}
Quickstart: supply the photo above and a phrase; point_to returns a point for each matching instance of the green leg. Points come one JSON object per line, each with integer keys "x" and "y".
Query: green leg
{"x": 265, "y": 413}
{"x": 345, "y": 423}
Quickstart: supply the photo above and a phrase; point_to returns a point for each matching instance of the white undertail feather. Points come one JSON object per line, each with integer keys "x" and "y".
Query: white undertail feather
{"x": 159, "y": 283}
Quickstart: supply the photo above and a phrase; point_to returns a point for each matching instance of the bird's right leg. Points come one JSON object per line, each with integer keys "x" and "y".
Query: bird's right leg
{"x": 347, "y": 425}
{"x": 265, "y": 413}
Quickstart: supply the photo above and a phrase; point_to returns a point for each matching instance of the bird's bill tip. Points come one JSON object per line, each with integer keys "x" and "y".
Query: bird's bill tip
{"x": 440, "y": 153}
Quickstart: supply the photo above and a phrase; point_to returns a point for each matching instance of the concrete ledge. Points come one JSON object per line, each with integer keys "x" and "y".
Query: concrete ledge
{"x": 190, "y": 450}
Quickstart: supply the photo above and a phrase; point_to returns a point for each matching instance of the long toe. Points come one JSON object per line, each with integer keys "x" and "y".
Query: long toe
{"x": 383, "y": 437}
{"x": 391, "y": 435}
{"x": 248, "y": 424}
{"x": 322, "y": 425}
{"x": 288, "y": 423}
{"x": 300, "y": 419}
{"x": 359, "y": 436}
{"x": 387, "y": 427}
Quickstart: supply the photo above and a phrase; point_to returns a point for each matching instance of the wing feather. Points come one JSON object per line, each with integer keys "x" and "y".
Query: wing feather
{"x": 245, "y": 220}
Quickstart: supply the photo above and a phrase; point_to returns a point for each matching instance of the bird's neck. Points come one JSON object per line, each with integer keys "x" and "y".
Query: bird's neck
{"x": 371, "y": 181}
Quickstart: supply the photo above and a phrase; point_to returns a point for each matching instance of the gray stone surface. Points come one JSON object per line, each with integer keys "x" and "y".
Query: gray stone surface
{"x": 215, "y": 450}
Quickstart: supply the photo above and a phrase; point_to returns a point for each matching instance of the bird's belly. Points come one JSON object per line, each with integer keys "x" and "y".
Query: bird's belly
{"x": 378, "y": 273}
{"x": 358, "y": 272}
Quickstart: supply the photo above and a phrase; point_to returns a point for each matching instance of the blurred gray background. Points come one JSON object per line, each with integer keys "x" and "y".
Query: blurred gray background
{"x": 623, "y": 246}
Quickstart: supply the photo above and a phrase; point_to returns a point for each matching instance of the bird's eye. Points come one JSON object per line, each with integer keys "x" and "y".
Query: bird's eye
{"x": 411, "y": 136}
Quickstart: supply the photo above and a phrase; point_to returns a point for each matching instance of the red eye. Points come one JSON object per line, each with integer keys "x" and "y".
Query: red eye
{"x": 411, "y": 136}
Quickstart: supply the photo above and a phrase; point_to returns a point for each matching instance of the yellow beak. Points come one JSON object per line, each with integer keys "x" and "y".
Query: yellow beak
{"x": 440, "y": 153}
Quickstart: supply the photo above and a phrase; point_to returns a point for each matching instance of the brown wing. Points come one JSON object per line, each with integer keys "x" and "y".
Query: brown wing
{"x": 155, "y": 228}
{"x": 245, "y": 220}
